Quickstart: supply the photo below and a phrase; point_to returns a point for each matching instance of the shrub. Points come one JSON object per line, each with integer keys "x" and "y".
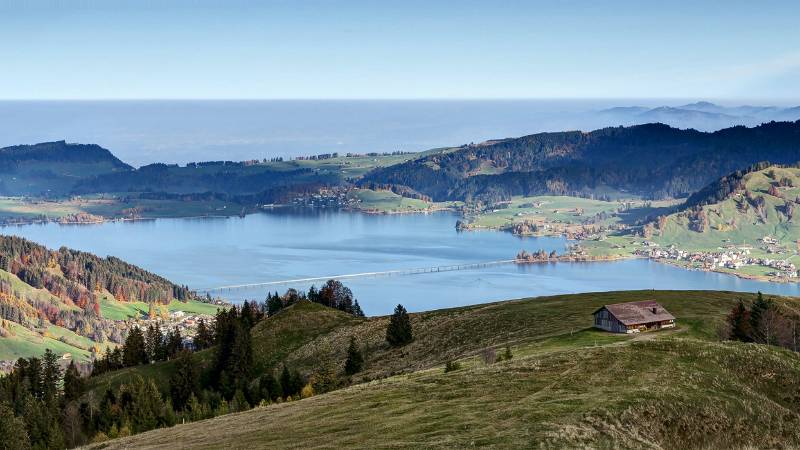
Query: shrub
{"x": 307, "y": 391}
{"x": 451, "y": 366}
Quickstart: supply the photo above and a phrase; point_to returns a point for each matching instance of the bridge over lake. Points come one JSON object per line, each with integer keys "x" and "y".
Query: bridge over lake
{"x": 386, "y": 273}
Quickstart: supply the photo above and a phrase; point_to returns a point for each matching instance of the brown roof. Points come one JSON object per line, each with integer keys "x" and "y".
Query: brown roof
{"x": 635, "y": 313}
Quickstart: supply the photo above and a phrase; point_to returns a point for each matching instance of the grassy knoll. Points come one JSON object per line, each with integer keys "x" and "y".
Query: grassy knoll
{"x": 566, "y": 386}
{"x": 314, "y": 339}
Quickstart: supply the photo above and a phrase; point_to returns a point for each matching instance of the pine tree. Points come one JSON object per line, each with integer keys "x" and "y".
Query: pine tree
{"x": 399, "y": 333}
{"x": 13, "y": 435}
{"x": 270, "y": 387}
{"x": 51, "y": 376}
{"x": 274, "y": 304}
{"x": 147, "y": 407}
{"x": 286, "y": 382}
{"x": 134, "y": 351}
{"x": 246, "y": 318}
{"x": 239, "y": 402}
{"x": 357, "y": 311}
{"x": 154, "y": 343}
{"x": 354, "y": 358}
{"x": 185, "y": 381}
{"x": 174, "y": 343}
{"x": 204, "y": 337}
{"x": 196, "y": 410}
{"x": 739, "y": 322}
{"x": 757, "y": 310}
{"x": 73, "y": 383}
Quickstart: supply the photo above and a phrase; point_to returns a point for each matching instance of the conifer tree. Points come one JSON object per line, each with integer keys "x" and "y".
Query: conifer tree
{"x": 134, "y": 351}
{"x": 204, "y": 337}
{"x": 13, "y": 434}
{"x": 185, "y": 381}
{"x": 239, "y": 402}
{"x": 739, "y": 322}
{"x": 269, "y": 387}
{"x": 174, "y": 343}
{"x": 73, "y": 383}
{"x": 354, "y": 358}
{"x": 757, "y": 310}
{"x": 286, "y": 381}
{"x": 274, "y": 304}
{"x": 154, "y": 343}
{"x": 51, "y": 376}
{"x": 357, "y": 311}
{"x": 399, "y": 333}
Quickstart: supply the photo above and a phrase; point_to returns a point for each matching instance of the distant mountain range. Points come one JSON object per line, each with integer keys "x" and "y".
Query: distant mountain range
{"x": 703, "y": 116}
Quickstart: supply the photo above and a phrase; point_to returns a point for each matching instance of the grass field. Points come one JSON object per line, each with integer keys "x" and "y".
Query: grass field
{"x": 112, "y": 309}
{"x": 24, "y": 343}
{"x": 111, "y": 207}
{"x": 566, "y": 387}
{"x": 388, "y": 202}
{"x": 566, "y": 210}
{"x": 313, "y": 338}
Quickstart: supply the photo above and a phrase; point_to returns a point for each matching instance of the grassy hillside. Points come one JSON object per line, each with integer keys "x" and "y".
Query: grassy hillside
{"x": 567, "y": 386}
{"x": 314, "y": 339}
{"x": 737, "y": 220}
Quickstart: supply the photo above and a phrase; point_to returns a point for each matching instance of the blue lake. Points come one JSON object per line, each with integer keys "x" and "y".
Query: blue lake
{"x": 291, "y": 244}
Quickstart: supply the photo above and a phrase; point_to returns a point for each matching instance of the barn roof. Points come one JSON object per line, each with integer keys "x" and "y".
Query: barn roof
{"x": 634, "y": 313}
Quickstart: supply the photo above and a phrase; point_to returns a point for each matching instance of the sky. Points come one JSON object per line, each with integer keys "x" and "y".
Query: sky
{"x": 320, "y": 49}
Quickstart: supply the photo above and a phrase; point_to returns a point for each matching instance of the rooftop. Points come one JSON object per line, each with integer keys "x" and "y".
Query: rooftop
{"x": 634, "y": 313}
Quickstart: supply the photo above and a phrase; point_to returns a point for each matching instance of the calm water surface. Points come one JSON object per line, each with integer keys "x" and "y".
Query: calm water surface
{"x": 289, "y": 244}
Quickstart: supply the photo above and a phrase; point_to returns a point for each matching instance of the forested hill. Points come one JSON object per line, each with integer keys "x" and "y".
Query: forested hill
{"x": 61, "y": 298}
{"x": 76, "y": 276}
{"x": 53, "y": 168}
{"x": 59, "y": 151}
{"x": 652, "y": 160}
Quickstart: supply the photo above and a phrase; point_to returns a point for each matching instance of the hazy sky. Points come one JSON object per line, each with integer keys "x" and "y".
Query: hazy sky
{"x": 401, "y": 49}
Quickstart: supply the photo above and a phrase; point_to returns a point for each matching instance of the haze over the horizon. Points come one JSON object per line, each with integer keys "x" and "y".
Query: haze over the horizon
{"x": 361, "y": 50}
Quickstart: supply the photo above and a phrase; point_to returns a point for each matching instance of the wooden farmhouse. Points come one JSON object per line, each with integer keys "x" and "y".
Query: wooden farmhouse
{"x": 633, "y": 317}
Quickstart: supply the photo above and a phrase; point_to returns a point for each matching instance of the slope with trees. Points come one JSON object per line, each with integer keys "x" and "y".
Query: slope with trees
{"x": 654, "y": 161}
{"x": 562, "y": 385}
{"x": 73, "y": 301}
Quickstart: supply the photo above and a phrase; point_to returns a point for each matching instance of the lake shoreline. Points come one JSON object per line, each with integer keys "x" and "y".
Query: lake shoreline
{"x": 371, "y": 212}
